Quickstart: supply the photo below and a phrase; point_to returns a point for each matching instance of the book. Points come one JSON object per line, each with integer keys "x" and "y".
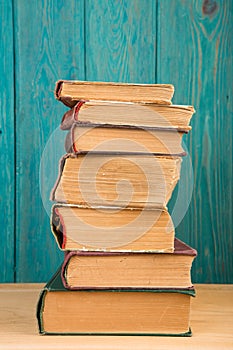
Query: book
{"x": 110, "y": 311}
{"x": 71, "y": 91}
{"x": 112, "y": 229}
{"x": 116, "y": 180}
{"x": 85, "y": 270}
{"x": 135, "y": 114}
{"x": 108, "y": 138}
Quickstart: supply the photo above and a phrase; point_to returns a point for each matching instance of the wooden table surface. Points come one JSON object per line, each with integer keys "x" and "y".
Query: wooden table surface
{"x": 211, "y": 322}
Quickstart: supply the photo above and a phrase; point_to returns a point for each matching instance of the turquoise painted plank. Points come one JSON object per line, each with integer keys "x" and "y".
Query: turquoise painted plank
{"x": 121, "y": 40}
{"x": 7, "y": 182}
{"x": 195, "y": 54}
{"x": 49, "y": 46}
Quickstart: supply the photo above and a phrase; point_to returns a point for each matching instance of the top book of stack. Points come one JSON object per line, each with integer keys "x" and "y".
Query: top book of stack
{"x": 70, "y": 92}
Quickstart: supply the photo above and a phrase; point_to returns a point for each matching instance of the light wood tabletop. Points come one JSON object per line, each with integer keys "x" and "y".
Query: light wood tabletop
{"x": 211, "y": 322}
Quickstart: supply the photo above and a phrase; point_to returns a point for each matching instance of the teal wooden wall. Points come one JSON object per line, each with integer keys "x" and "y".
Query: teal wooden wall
{"x": 187, "y": 43}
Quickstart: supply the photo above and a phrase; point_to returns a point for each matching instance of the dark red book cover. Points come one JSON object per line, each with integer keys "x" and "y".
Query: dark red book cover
{"x": 181, "y": 248}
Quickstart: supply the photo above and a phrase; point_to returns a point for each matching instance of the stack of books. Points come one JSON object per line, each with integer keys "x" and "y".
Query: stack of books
{"x": 124, "y": 271}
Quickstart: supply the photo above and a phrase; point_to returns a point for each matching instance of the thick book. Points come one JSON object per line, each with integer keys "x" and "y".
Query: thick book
{"x": 112, "y": 229}
{"x": 124, "y": 180}
{"x": 128, "y": 113}
{"x": 113, "y": 311}
{"x": 83, "y": 270}
{"x": 109, "y": 138}
{"x": 71, "y": 91}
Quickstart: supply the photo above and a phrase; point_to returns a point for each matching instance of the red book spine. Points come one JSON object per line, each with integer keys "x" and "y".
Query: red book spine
{"x": 71, "y": 116}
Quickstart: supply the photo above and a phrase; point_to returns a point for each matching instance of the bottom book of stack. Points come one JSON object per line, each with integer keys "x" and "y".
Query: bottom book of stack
{"x": 149, "y": 305}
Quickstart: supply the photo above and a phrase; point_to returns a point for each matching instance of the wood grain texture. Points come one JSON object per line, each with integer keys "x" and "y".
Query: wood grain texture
{"x": 7, "y": 182}
{"x": 49, "y": 46}
{"x": 121, "y": 40}
{"x": 196, "y": 56}
{"x": 187, "y": 43}
{"x": 211, "y": 322}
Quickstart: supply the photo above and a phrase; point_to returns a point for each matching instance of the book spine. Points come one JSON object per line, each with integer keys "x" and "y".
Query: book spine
{"x": 61, "y": 166}
{"x": 69, "y": 142}
{"x": 71, "y": 116}
{"x": 58, "y": 88}
{"x": 64, "y": 267}
{"x": 58, "y": 228}
{"x": 39, "y": 311}
{"x": 67, "y": 101}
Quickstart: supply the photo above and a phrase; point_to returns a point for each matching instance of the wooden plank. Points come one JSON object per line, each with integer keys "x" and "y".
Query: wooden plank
{"x": 7, "y": 182}
{"x": 121, "y": 41}
{"x": 211, "y": 322}
{"x": 49, "y": 46}
{"x": 195, "y": 54}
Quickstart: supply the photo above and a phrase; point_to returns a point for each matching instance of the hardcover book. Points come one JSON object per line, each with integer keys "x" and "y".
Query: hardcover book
{"x": 127, "y": 113}
{"x": 112, "y": 229}
{"x": 85, "y": 270}
{"x": 110, "y": 311}
{"x": 119, "y": 180}
{"x": 70, "y": 92}
{"x": 87, "y": 137}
